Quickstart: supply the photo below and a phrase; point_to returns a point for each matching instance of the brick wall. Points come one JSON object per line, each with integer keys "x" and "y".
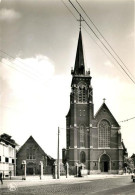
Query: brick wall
{"x": 33, "y": 163}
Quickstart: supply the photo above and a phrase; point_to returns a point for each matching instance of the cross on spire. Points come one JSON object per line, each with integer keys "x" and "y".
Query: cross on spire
{"x": 80, "y": 20}
{"x": 104, "y": 100}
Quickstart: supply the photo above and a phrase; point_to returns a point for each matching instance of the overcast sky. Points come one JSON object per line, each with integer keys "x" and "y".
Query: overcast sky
{"x": 39, "y": 41}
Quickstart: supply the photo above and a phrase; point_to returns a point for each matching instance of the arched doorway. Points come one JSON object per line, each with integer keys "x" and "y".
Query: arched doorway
{"x": 31, "y": 168}
{"x": 104, "y": 163}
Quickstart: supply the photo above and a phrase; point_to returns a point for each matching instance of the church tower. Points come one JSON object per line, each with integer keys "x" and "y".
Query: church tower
{"x": 80, "y": 115}
{"x": 93, "y": 142}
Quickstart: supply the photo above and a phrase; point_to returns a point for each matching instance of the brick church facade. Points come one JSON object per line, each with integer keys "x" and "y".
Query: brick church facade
{"x": 32, "y": 153}
{"x": 93, "y": 141}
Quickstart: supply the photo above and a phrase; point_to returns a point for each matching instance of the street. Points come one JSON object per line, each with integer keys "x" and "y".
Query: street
{"x": 78, "y": 186}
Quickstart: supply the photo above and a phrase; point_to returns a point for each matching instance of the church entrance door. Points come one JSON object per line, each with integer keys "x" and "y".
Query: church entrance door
{"x": 30, "y": 171}
{"x": 105, "y": 166}
{"x": 31, "y": 168}
{"x": 104, "y": 163}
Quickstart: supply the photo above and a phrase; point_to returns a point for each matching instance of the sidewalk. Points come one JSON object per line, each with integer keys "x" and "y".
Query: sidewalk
{"x": 17, "y": 181}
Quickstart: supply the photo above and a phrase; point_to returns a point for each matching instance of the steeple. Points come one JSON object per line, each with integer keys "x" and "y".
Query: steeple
{"x": 79, "y": 68}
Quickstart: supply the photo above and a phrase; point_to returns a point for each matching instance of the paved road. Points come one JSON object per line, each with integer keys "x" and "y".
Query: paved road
{"x": 102, "y": 186}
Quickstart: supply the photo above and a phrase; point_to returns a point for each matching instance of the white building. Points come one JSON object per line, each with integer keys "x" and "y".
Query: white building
{"x": 7, "y": 155}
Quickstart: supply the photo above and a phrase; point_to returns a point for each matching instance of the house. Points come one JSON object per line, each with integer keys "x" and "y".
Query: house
{"x": 7, "y": 155}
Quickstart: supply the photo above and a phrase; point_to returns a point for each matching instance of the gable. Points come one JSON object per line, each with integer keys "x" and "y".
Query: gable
{"x": 32, "y": 143}
{"x": 104, "y": 113}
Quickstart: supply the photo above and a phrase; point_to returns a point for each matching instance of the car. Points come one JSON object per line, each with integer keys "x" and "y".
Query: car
{"x": 133, "y": 177}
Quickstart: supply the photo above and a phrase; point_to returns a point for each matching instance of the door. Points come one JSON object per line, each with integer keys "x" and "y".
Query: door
{"x": 30, "y": 171}
{"x": 105, "y": 166}
{"x": 104, "y": 163}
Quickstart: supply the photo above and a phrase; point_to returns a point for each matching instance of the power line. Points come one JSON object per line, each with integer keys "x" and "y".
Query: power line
{"x": 25, "y": 69}
{"x": 69, "y": 9}
{"x": 22, "y": 70}
{"x": 104, "y": 38}
{"x": 92, "y": 37}
{"x": 102, "y": 42}
{"x": 26, "y": 73}
{"x": 75, "y": 18}
{"x": 127, "y": 120}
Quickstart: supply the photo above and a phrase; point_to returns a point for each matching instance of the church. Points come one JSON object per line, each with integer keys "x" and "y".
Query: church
{"x": 33, "y": 154}
{"x": 92, "y": 141}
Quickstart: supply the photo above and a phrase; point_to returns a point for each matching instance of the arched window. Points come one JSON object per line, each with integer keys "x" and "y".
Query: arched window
{"x": 81, "y": 136}
{"x": 30, "y": 153}
{"x": 104, "y": 134}
{"x": 82, "y": 93}
{"x": 82, "y": 157}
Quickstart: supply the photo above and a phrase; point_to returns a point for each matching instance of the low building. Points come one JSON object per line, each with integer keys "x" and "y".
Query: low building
{"x": 32, "y": 153}
{"x": 7, "y": 155}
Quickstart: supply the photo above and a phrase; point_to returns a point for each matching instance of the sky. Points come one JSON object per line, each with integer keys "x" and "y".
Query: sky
{"x": 38, "y": 42}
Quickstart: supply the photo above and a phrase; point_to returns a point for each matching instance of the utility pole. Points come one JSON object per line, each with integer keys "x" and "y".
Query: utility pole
{"x": 58, "y": 158}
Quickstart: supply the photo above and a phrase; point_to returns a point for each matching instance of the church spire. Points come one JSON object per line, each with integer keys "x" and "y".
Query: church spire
{"x": 79, "y": 61}
{"x": 79, "y": 68}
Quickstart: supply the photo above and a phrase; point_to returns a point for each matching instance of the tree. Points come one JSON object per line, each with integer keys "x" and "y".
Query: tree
{"x": 129, "y": 163}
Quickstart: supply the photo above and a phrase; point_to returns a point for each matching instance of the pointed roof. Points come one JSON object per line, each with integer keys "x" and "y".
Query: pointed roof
{"x": 32, "y": 139}
{"x": 105, "y": 108}
{"x": 79, "y": 61}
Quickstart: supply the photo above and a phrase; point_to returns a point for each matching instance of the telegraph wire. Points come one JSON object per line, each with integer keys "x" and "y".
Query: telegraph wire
{"x": 88, "y": 131}
{"x": 14, "y": 67}
{"x": 103, "y": 51}
{"x": 85, "y": 29}
{"x": 94, "y": 39}
{"x": 25, "y": 69}
{"x": 69, "y": 9}
{"x": 102, "y": 42}
{"x": 127, "y": 120}
{"x": 26, "y": 73}
{"x": 104, "y": 39}
{"x": 75, "y": 18}
{"x": 94, "y": 34}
